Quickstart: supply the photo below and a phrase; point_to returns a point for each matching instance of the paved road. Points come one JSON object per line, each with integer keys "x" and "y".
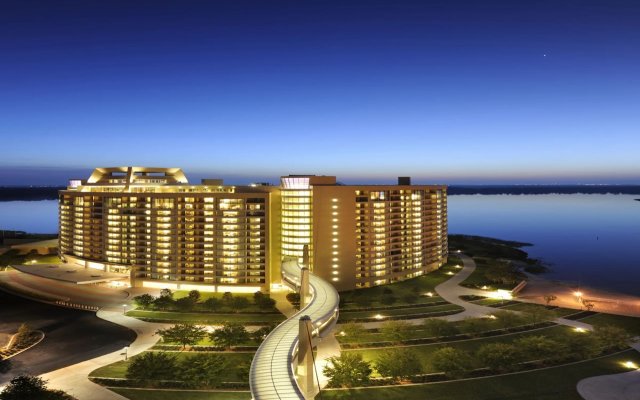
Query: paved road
{"x": 71, "y": 336}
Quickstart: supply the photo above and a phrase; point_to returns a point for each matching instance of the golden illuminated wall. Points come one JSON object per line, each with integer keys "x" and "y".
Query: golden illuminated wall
{"x": 215, "y": 240}
{"x": 297, "y": 212}
{"x": 373, "y": 235}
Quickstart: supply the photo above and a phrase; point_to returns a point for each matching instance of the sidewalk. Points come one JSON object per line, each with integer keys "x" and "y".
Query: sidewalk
{"x": 74, "y": 378}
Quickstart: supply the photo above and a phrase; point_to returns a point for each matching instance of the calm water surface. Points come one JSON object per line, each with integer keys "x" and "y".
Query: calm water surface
{"x": 590, "y": 239}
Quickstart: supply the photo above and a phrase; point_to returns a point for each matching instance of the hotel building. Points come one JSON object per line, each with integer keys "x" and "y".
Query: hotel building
{"x": 152, "y": 224}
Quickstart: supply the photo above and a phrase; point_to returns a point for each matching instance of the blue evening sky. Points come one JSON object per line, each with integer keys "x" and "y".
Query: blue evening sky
{"x": 444, "y": 91}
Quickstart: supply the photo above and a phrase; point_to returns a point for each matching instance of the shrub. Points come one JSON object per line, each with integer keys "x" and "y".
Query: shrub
{"x": 185, "y": 304}
{"x": 166, "y": 293}
{"x": 612, "y": 337}
{"x": 347, "y": 370}
{"x": 474, "y": 326}
{"x": 453, "y": 362}
{"x": 185, "y": 334}
{"x": 398, "y": 363}
{"x": 395, "y": 330}
{"x": 499, "y": 357}
{"x": 212, "y": 304}
{"x": 229, "y": 335}
{"x": 439, "y": 327}
{"x": 239, "y": 303}
{"x": 31, "y": 387}
{"x": 202, "y": 369}
{"x": 144, "y": 300}
{"x": 539, "y": 348}
{"x": 152, "y": 365}
{"x": 352, "y": 329}
{"x": 194, "y": 295}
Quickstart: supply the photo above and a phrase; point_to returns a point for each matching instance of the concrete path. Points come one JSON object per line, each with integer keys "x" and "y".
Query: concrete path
{"x": 623, "y": 386}
{"x": 74, "y": 378}
{"x": 450, "y": 290}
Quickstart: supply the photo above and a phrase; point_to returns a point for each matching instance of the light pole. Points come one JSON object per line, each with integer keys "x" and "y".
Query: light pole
{"x": 124, "y": 309}
{"x": 126, "y": 352}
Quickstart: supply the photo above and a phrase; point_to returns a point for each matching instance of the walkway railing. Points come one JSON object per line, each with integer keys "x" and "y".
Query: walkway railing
{"x": 272, "y": 374}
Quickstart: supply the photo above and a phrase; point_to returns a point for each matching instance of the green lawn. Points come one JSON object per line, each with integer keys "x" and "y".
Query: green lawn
{"x": 234, "y": 360}
{"x": 414, "y": 287}
{"x": 630, "y": 324}
{"x": 549, "y": 384}
{"x": 348, "y": 315}
{"x": 150, "y": 394}
{"x": 425, "y": 352}
{"x": 206, "y": 318}
{"x": 559, "y": 312}
{"x": 12, "y": 257}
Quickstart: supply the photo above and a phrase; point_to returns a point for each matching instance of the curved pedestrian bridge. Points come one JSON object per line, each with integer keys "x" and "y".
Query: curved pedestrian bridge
{"x": 272, "y": 374}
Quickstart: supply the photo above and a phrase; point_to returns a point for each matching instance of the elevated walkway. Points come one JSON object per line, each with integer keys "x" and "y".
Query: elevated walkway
{"x": 272, "y": 374}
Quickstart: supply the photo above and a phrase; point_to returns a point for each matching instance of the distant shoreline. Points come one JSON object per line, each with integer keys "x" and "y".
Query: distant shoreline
{"x": 51, "y": 192}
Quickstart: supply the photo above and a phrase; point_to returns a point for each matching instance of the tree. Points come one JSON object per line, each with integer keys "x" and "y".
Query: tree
{"x": 549, "y": 298}
{"x": 185, "y": 304}
{"x": 212, "y": 304}
{"x": 258, "y": 296}
{"x": 439, "y": 327}
{"x": 31, "y": 387}
{"x": 163, "y": 303}
{"x": 588, "y": 304}
{"x": 227, "y": 297}
{"x": 202, "y": 370}
{"x": 261, "y": 333}
{"x": 453, "y": 362}
{"x": 507, "y": 319}
{"x": 144, "y": 300}
{"x": 166, "y": 293}
{"x": 539, "y": 348}
{"x": 230, "y": 334}
{"x": 612, "y": 337}
{"x": 194, "y": 295}
{"x": 266, "y": 303}
{"x": 398, "y": 363}
{"x": 185, "y": 334}
{"x": 395, "y": 330}
{"x": 293, "y": 298}
{"x": 347, "y": 370}
{"x": 473, "y": 326}
{"x": 499, "y": 357}
{"x": 239, "y": 303}
{"x": 152, "y": 366}
{"x": 582, "y": 345}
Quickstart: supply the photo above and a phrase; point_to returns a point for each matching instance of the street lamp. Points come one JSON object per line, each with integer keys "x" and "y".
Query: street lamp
{"x": 124, "y": 309}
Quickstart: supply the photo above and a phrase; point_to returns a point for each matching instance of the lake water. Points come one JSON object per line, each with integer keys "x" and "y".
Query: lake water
{"x": 590, "y": 239}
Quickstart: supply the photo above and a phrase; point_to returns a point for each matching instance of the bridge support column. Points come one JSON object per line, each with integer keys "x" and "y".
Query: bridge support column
{"x": 305, "y": 358}
{"x": 304, "y": 286}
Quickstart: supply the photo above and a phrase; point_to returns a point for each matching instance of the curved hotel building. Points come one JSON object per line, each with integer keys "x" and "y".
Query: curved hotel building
{"x": 164, "y": 232}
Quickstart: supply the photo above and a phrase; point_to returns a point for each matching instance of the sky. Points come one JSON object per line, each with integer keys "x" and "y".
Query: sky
{"x": 476, "y": 92}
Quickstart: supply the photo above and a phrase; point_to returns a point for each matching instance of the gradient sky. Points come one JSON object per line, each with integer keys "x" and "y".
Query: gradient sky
{"x": 444, "y": 91}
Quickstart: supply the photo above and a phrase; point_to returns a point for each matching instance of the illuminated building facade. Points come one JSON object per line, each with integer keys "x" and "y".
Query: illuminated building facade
{"x": 165, "y": 232}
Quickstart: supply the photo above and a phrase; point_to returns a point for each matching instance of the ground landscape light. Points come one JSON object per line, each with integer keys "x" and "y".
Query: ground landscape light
{"x": 630, "y": 364}
{"x": 580, "y": 330}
